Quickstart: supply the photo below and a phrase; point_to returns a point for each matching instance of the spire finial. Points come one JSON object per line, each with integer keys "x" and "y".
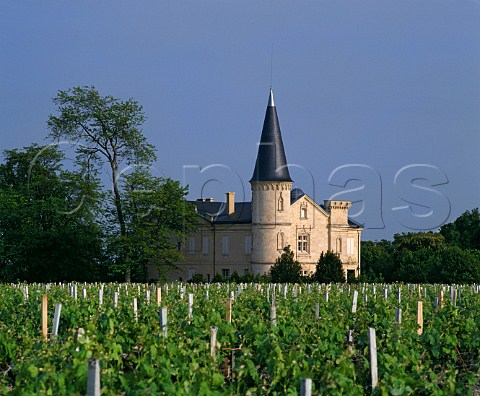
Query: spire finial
{"x": 270, "y": 99}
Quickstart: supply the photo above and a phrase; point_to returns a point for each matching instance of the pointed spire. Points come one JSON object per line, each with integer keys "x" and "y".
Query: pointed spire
{"x": 271, "y": 162}
{"x": 270, "y": 99}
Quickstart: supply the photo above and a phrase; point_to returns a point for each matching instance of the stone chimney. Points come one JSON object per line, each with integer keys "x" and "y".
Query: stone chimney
{"x": 230, "y": 203}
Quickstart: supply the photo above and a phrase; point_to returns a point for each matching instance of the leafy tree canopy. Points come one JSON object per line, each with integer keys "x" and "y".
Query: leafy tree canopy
{"x": 47, "y": 227}
{"x": 286, "y": 268}
{"x": 329, "y": 268}
{"x": 146, "y": 214}
{"x": 464, "y": 232}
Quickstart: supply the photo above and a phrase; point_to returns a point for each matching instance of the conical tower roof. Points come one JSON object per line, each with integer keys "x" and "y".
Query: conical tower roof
{"x": 271, "y": 164}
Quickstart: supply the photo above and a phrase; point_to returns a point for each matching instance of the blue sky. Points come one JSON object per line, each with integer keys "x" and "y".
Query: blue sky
{"x": 378, "y": 101}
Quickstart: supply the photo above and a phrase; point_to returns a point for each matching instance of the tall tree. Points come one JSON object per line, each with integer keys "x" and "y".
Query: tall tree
{"x": 464, "y": 232}
{"x": 157, "y": 218}
{"x": 47, "y": 227}
{"x": 329, "y": 268}
{"x": 286, "y": 268}
{"x": 106, "y": 131}
{"x": 377, "y": 261}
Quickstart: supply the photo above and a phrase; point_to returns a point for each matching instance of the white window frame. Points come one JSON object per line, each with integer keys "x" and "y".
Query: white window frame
{"x": 205, "y": 245}
{"x": 226, "y": 272}
{"x": 303, "y": 243}
{"x": 191, "y": 245}
{"x": 248, "y": 245}
{"x": 350, "y": 246}
{"x": 339, "y": 245}
{"x": 191, "y": 273}
{"x": 280, "y": 240}
{"x": 303, "y": 212}
{"x": 225, "y": 245}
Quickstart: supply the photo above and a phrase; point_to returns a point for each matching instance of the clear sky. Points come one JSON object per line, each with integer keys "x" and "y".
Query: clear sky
{"x": 378, "y": 101}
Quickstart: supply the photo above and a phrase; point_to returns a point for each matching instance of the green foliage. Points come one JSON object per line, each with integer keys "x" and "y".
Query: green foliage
{"x": 377, "y": 263}
{"x": 446, "y": 257}
{"x": 464, "y": 232}
{"x": 157, "y": 216}
{"x": 286, "y": 268}
{"x": 269, "y": 360}
{"x": 47, "y": 219}
{"x": 329, "y": 268}
{"x": 146, "y": 215}
{"x": 107, "y": 131}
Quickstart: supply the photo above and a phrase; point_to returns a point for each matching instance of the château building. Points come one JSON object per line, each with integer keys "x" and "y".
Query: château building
{"x": 247, "y": 237}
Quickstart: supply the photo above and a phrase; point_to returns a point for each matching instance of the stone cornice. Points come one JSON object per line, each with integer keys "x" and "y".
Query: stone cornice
{"x": 337, "y": 204}
{"x": 270, "y": 186}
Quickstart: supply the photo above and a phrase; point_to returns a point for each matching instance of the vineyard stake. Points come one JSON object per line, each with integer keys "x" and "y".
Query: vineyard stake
{"x": 135, "y": 310}
{"x": 213, "y": 342}
{"x": 398, "y": 321}
{"x": 317, "y": 310}
{"x": 350, "y": 340}
{"x": 115, "y": 300}
{"x": 306, "y": 387}
{"x": 56, "y": 319}
{"x": 273, "y": 315}
{"x": 100, "y": 296}
{"x": 372, "y": 343}
{"x": 159, "y": 296}
{"x": 228, "y": 316}
{"x": 44, "y": 316}
{"x": 163, "y": 321}
{"x": 93, "y": 381}
{"x": 420, "y": 317}
{"x": 190, "y": 305}
{"x": 354, "y": 303}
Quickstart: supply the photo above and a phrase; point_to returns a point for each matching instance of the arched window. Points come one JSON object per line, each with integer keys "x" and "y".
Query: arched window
{"x": 280, "y": 240}
{"x": 339, "y": 245}
{"x": 280, "y": 203}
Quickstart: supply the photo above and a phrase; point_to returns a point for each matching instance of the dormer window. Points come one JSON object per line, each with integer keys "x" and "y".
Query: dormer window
{"x": 303, "y": 212}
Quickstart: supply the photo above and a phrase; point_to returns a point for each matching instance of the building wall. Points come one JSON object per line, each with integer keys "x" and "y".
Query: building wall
{"x": 271, "y": 213}
{"x": 219, "y": 249}
{"x": 304, "y": 225}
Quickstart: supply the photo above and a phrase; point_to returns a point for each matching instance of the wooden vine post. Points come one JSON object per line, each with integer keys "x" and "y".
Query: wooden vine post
{"x": 56, "y": 319}
{"x": 213, "y": 342}
{"x": 306, "y": 387}
{"x": 45, "y": 316}
{"x": 159, "y": 296}
{"x": 163, "y": 321}
{"x": 190, "y": 306}
{"x": 228, "y": 316}
{"x": 135, "y": 309}
{"x": 273, "y": 315}
{"x": 420, "y": 317}
{"x": 354, "y": 302}
{"x": 93, "y": 381}
{"x": 372, "y": 345}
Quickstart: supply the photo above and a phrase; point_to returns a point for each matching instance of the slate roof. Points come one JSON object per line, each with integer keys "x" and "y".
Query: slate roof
{"x": 271, "y": 164}
{"x": 216, "y": 212}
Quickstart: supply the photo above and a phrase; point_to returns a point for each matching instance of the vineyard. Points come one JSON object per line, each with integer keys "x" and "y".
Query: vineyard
{"x": 223, "y": 339}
